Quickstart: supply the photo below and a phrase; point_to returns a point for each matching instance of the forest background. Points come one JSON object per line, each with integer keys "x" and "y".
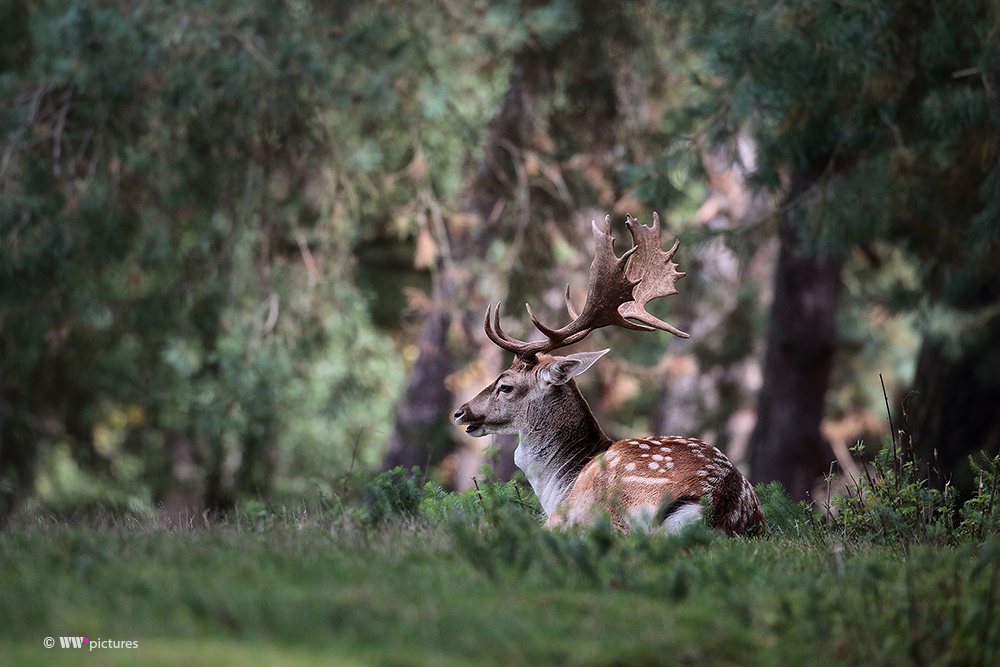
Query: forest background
{"x": 245, "y": 247}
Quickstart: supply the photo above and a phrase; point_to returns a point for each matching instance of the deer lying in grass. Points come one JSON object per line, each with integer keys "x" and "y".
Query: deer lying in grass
{"x": 576, "y": 470}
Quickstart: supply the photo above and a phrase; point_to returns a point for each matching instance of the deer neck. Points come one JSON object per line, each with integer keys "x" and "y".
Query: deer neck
{"x": 560, "y": 438}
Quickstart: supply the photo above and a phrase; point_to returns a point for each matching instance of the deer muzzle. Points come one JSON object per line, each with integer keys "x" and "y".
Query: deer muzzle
{"x": 474, "y": 424}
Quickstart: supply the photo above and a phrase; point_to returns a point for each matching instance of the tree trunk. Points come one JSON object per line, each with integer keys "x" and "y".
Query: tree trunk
{"x": 419, "y": 436}
{"x": 3, "y": 466}
{"x": 786, "y": 444}
{"x": 183, "y": 495}
{"x": 20, "y": 450}
{"x": 954, "y": 410}
{"x": 422, "y": 431}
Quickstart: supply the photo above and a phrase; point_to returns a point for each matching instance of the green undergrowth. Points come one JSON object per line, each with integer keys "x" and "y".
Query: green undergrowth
{"x": 415, "y": 575}
{"x": 901, "y": 500}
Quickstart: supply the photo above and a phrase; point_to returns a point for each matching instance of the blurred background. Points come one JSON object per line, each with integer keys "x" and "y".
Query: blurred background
{"x": 246, "y": 246}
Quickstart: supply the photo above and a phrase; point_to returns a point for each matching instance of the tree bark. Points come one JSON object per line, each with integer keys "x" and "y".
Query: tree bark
{"x": 954, "y": 410}
{"x": 419, "y": 437}
{"x": 786, "y": 444}
{"x": 183, "y": 494}
{"x": 3, "y": 466}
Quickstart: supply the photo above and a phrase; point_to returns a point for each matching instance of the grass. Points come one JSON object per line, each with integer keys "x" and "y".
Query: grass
{"x": 428, "y": 578}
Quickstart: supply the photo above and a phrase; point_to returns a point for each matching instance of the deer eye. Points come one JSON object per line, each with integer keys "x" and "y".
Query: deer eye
{"x": 505, "y": 388}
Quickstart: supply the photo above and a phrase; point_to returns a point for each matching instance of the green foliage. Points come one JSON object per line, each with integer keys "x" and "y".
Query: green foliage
{"x": 897, "y": 502}
{"x": 980, "y": 514}
{"x": 888, "y": 112}
{"x": 877, "y": 125}
{"x": 394, "y": 494}
{"x": 664, "y": 182}
{"x": 183, "y": 230}
{"x": 488, "y": 497}
{"x": 184, "y": 279}
{"x": 784, "y": 515}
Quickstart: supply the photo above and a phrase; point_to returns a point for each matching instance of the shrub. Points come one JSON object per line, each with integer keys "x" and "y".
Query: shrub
{"x": 394, "y": 494}
{"x": 897, "y": 499}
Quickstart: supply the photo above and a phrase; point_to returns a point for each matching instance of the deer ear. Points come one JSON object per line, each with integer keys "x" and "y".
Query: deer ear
{"x": 563, "y": 369}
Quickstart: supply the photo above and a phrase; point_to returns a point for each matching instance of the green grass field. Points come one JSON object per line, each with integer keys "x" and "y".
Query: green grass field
{"x": 460, "y": 580}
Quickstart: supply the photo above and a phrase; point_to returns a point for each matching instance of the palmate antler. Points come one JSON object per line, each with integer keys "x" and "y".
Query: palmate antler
{"x": 620, "y": 288}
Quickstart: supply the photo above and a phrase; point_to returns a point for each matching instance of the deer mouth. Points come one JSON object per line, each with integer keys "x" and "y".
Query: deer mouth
{"x": 477, "y": 429}
{"x": 478, "y": 425}
{"x": 473, "y": 426}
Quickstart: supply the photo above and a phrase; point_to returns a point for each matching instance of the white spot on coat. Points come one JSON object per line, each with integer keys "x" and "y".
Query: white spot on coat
{"x": 634, "y": 479}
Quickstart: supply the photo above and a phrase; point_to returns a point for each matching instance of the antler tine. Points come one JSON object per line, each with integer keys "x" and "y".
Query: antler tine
{"x": 496, "y": 334}
{"x": 491, "y": 328}
{"x": 569, "y": 305}
{"x": 552, "y": 334}
{"x": 654, "y": 273}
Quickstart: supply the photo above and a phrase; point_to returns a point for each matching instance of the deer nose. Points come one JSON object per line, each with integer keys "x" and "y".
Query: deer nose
{"x": 459, "y": 413}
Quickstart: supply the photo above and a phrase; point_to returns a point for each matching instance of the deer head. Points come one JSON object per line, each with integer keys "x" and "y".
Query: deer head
{"x": 525, "y": 396}
{"x": 619, "y": 289}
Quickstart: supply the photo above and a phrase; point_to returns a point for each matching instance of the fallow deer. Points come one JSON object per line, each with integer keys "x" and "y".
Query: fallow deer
{"x": 576, "y": 470}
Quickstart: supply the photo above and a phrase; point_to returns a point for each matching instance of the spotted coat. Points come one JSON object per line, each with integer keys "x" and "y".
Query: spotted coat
{"x": 642, "y": 481}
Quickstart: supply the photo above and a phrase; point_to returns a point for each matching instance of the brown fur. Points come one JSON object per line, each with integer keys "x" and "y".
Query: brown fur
{"x": 640, "y": 474}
